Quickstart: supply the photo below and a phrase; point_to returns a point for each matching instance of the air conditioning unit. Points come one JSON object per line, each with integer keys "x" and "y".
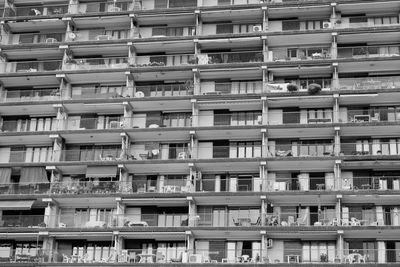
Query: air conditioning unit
{"x": 71, "y": 36}
{"x": 103, "y": 37}
{"x": 257, "y": 28}
{"x": 139, "y": 94}
{"x": 51, "y": 40}
{"x": 269, "y": 243}
{"x": 327, "y": 25}
{"x": 195, "y": 258}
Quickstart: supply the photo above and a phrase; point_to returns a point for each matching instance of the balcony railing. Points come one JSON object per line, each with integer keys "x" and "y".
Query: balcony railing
{"x": 24, "y": 189}
{"x": 31, "y": 95}
{"x": 368, "y": 148}
{"x": 370, "y": 83}
{"x": 240, "y": 183}
{"x": 37, "y": 10}
{"x": 170, "y": 31}
{"x": 301, "y": 54}
{"x": 236, "y": 87}
{"x": 90, "y": 154}
{"x": 301, "y": 150}
{"x": 231, "y": 28}
{"x": 34, "y": 38}
{"x": 319, "y": 253}
{"x": 155, "y": 220}
{"x": 359, "y": 22}
{"x": 98, "y": 35}
{"x": 232, "y": 218}
{"x": 302, "y": 183}
{"x": 100, "y": 92}
{"x": 315, "y": 116}
{"x": 369, "y": 51}
{"x": 165, "y": 60}
{"x": 230, "y": 57}
{"x": 101, "y": 7}
{"x": 30, "y": 66}
{"x": 17, "y": 221}
{"x": 159, "y": 90}
{"x": 379, "y": 114}
{"x": 96, "y": 63}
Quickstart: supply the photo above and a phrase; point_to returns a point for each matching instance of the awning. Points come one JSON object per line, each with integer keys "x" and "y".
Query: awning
{"x": 5, "y": 176}
{"x": 16, "y": 205}
{"x": 101, "y": 171}
{"x": 33, "y": 175}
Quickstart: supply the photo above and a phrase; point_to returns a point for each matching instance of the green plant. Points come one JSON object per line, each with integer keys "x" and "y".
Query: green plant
{"x": 291, "y": 87}
{"x": 314, "y": 88}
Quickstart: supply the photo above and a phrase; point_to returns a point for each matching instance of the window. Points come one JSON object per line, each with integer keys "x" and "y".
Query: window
{"x": 290, "y": 25}
{"x": 177, "y": 120}
{"x": 318, "y": 251}
{"x": 224, "y": 28}
{"x": 358, "y": 19}
{"x": 246, "y": 118}
{"x": 245, "y": 149}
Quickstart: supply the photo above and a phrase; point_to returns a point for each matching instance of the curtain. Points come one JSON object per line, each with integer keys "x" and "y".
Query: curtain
{"x": 5, "y": 176}
{"x": 31, "y": 175}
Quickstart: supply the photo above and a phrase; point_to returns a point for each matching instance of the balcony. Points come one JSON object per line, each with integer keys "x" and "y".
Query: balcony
{"x": 234, "y": 87}
{"x": 158, "y": 152}
{"x": 296, "y": 54}
{"x": 299, "y": 25}
{"x": 230, "y": 57}
{"x": 161, "y": 90}
{"x": 95, "y": 154}
{"x": 30, "y": 66}
{"x": 19, "y": 221}
{"x": 303, "y": 182}
{"x": 147, "y": 5}
{"x": 360, "y": 22}
{"x": 298, "y": 85}
{"x": 231, "y": 28}
{"x": 25, "y": 189}
{"x": 34, "y": 38}
{"x": 96, "y": 63}
{"x": 370, "y": 83}
{"x": 98, "y": 35}
{"x": 367, "y": 115}
{"x": 30, "y": 125}
{"x": 296, "y": 149}
{"x": 37, "y": 10}
{"x": 165, "y": 60}
{"x": 377, "y": 147}
{"x": 101, "y": 7}
{"x": 166, "y": 31}
{"x": 27, "y": 154}
{"x": 154, "y": 220}
{"x": 369, "y": 51}
{"x": 310, "y": 116}
{"x": 102, "y": 91}
{"x": 230, "y": 218}
{"x": 32, "y": 95}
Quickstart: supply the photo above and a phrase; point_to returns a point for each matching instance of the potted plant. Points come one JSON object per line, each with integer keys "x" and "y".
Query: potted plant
{"x": 314, "y": 88}
{"x": 323, "y": 257}
{"x": 291, "y": 87}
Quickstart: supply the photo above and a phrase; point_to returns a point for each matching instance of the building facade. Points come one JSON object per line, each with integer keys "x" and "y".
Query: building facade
{"x": 199, "y": 132}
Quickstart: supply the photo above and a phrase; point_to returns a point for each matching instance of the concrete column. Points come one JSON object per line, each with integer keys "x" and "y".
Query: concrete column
{"x": 263, "y": 176}
{"x": 265, "y": 49}
{"x": 51, "y": 214}
{"x": 192, "y": 221}
{"x": 190, "y": 243}
{"x": 265, "y": 79}
{"x": 335, "y": 86}
{"x": 65, "y": 89}
{"x": 130, "y": 85}
{"x": 195, "y": 113}
{"x": 264, "y": 249}
{"x": 128, "y": 115}
{"x": 337, "y": 142}
{"x": 199, "y": 22}
{"x": 340, "y": 246}
{"x": 196, "y": 82}
{"x": 336, "y": 114}
{"x": 48, "y": 249}
{"x": 338, "y": 208}
{"x": 334, "y": 46}
{"x": 58, "y": 146}
{"x": 264, "y": 110}
{"x": 264, "y": 143}
{"x": 337, "y": 174}
{"x": 131, "y": 54}
{"x": 380, "y": 216}
{"x": 263, "y": 212}
{"x": 265, "y": 24}
{"x": 194, "y": 145}
{"x": 73, "y": 7}
{"x": 120, "y": 216}
{"x": 134, "y": 27}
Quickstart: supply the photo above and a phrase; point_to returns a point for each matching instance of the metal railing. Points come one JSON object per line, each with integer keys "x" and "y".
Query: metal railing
{"x": 369, "y": 51}
{"x": 165, "y": 60}
{"x": 370, "y": 83}
{"x": 158, "y": 90}
{"x": 37, "y": 10}
{"x": 96, "y": 63}
{"x": 309, "y": 53}
{"x": 230, "y": 57}
{"x": 314, "y": 116}
{"x": 31, "y": 95}
{"x": 98, "y": 35}
{"x": 368, "y": 148}
{"x": 378, "y": 114}
{"x": 301, "y": 150}
{"x": 30, "y": 66}
{"x": 34, "y": 38}
{"x": 234, "y": 87}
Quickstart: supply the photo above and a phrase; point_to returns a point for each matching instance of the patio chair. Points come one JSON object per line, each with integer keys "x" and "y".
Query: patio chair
{"x": 160, "y": 258}
{"x": 301, "y": 221}
{"x": 257, "y": 223}
{"x": 355, "y": 222}
{"x": 66, "y": 259}
{"x": 235, "y": 222}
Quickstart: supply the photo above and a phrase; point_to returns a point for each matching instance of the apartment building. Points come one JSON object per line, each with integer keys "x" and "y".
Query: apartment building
{"x": 199, "y": 132}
